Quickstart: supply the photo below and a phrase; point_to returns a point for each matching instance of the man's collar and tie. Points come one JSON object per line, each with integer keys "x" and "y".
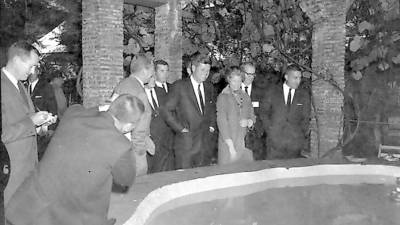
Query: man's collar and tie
{"x": 288, "y": 93}
{"x": 17, "y": 84}
{"x": 162, "y": 85}
{"x": 140, "y": 81}
{"x": 13, "y": 80}
{"x": 152, "y": 97}
{"x": 199, "y": 91}
{"x": 247, "y": 88}
{"x": 31, "y": 86}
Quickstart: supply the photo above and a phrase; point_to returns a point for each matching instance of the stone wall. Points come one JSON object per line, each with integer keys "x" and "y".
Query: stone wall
{"x": 328, "y": 43}
{"x": 168, "y": 37}
{"x": 102, "y": 47}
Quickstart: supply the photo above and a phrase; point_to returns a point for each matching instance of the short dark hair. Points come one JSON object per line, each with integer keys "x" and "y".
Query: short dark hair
{"x": 160, "y": 62}
{"x": 198, "y": 58}
{"x": 292, "y": 67}
{"x": 126, "y": 108}
{"x": 22, "y": 49}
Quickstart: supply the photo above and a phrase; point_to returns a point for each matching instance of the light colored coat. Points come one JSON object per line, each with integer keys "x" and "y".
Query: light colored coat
{"x": 229, "y": 114}
{"x": 140, "y": 137}
{"x": 18, "y": 134}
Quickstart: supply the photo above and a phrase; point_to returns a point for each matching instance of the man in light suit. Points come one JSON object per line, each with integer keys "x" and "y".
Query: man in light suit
{"x": 88, "y": 152}
{"x": 142, "y": 71}
{"x": 255, "y": 87}
{"x": 285, "y": 113}
{"x": 161, "y": 134}
{"x": 190, "y": 112}
{"x": 19, "y": 120}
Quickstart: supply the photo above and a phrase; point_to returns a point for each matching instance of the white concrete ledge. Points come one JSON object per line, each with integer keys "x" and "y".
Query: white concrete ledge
{"x": 321, "y": 173}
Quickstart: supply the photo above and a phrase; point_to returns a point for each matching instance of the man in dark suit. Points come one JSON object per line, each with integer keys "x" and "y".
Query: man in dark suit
{"x": 285, "y": 113}
{"x": 190, "y": 111}
{"x": 42, "y": 95}
{"x": 255, "y": 138}
{"x": 19, "y": 120}
{"x": 161, "y": 134}
{"x": 88, "y": 152}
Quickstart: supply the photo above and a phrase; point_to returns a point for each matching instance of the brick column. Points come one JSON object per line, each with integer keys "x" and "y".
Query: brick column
{"x": 168, "y": 37}
{"x": 102, "y": 36}
{"x": 328, "y": 43}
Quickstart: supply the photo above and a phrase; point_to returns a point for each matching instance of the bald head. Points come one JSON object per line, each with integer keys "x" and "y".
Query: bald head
{"x": 126, "y": 110}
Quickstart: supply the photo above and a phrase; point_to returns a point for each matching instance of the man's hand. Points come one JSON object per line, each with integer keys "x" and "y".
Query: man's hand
{"x": 40, "y": 118}
{"x": 250, "y": 123}
{"x": 212, "y": 129}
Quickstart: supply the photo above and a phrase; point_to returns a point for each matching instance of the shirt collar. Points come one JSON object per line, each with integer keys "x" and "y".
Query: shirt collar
{"x": 194, "y": 82}
{"x": 249, "y": 86}
{"x": 140, "y": 81}
{"x": 159, "y": 84}
{"x": 13, "y": 80}
{"x": 286, "y": 87}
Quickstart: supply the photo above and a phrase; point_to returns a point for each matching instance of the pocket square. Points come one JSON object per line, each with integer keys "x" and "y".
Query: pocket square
{"x": 38, "y": 96}
{"x": 299, "y": 104}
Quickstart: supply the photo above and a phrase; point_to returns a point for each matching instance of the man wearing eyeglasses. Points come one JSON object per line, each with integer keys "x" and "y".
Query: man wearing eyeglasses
{"x": 255, "y": 138}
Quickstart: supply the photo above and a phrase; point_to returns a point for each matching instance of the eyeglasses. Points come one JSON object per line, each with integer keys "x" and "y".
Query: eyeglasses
{"x": 249, "y": 74}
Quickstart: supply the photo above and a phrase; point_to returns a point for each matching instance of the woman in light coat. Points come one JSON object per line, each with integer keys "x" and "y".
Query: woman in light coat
{"x": 235, "y": 115}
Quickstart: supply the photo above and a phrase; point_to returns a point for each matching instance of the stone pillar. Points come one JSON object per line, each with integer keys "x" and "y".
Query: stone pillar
{"x": 168, "y": 37}
{"x": 328, "y": 43}
{"x": 102, "y": 36}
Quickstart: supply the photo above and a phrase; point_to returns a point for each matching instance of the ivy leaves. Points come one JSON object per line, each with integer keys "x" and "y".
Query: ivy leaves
{"x": 236, "y": 31}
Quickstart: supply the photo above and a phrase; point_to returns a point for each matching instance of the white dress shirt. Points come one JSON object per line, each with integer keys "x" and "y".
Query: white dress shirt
{"x": 162, "y": 85}
{"x": 148, "y": 93}
{"x": 140, "y": 81}
{"x": 13, "y": 80}
{"x": 249, "y": 88}
{"x": 32, "y": 86}
{"x": 286, "y": 92}
{"x": 195, "y": 85}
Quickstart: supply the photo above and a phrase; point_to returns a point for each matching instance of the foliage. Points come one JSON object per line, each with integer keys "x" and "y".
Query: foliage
{"x": 138, "y": 32}
{"x": 236, "y": 31}
{"x": 372, "y": 67}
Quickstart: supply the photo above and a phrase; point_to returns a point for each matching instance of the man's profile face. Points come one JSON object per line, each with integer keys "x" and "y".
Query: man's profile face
{"x": 26, "y": 65}
{"x": 162, "y": 73}
{"x": 293, "y": 78}
{"x": 201, "y": 72}
{"x": 149, "y": 73}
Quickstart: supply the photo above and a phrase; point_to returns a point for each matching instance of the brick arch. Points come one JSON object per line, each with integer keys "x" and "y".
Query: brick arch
{"x": 102, "y": 43}
{"x": 328, "y": 43}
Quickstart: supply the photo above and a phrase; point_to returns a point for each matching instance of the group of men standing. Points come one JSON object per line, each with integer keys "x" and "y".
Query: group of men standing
{"x": 169, "y": 127}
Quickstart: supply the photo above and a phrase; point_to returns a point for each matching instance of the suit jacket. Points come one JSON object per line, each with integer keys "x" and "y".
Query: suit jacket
{"x": 18, "y": 134}
{"x": 182, "y": 101}
{"x": 43, "y": 97}
{"x": 256, "y": 96}
{"x": 141, "y": 134}
{"x": 162, "y": 136}
{"x": 182, "y": 111}
{"x": 160, "y": 132}
{"x": 284, "y": 125}
{"x": 72, "y": 184}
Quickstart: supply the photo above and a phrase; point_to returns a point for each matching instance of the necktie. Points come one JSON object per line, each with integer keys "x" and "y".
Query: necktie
{"x": 22, "y": 92}
{"x": 30, "y": 89}
{"x": 153, "y": 100}
{"x": 289, "y": 98}
{"x": 201, "y": 99}
{"x": 165, "y": 87}
{"x": 246, "y": 89}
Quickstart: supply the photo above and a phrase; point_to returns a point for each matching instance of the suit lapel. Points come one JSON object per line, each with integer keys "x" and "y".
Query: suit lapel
{"x": 192, "y": 95}
{"x": 7, "y": 82}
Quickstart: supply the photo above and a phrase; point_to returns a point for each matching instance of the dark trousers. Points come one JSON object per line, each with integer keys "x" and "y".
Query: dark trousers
{"x": 283, "y": 150}
{"x": 192, "y": 149}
